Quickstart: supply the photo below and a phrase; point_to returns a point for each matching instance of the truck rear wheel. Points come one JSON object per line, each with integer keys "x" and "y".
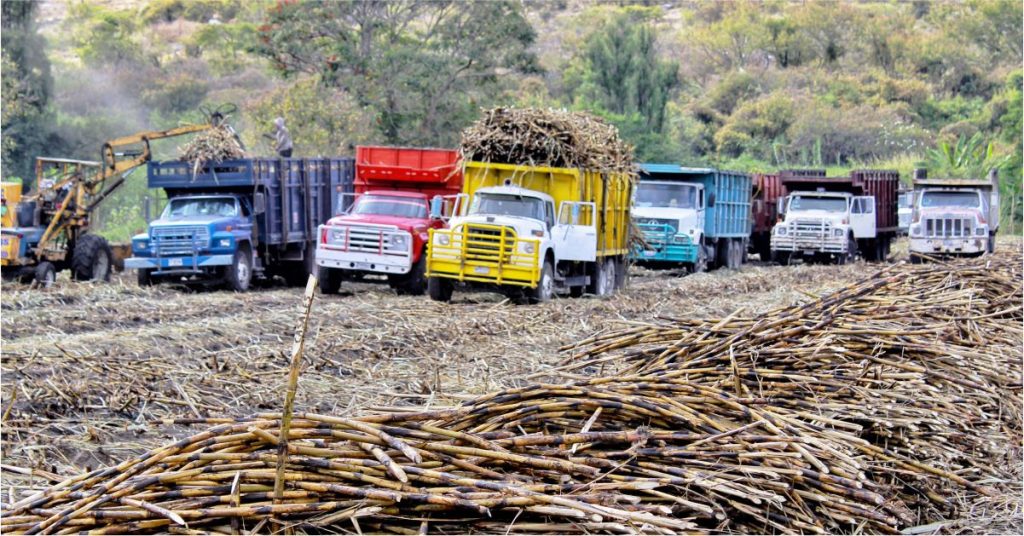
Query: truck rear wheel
{"x": 701, "y": 265}
{"x": 603, "y": 279}
{"x": 330, "y": 280}
{"x": 851, "y": 252}
{"x": 239, "y": 274}
{"x": 545, "y": 288}
{"x": 145, "y": 277}
{"x": 782, "y": 257}
{"x": 92, "y": 259}
{"x": 440, "y": 289}
{"x": 990, "y": 247}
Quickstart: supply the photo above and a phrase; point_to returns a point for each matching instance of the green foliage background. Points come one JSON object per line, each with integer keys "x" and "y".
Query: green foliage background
{"x": 742, "y": 84}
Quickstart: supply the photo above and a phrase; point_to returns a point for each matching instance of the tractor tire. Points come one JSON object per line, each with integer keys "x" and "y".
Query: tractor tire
{"x": 239, "y": 273}
{"x": 92, "y": 259}
{"x": 45, "y": 275}
{"x": 440, "y": 289}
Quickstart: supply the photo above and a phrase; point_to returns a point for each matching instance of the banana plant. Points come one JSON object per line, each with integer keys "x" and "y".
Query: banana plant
{"x": 969, "y": 158}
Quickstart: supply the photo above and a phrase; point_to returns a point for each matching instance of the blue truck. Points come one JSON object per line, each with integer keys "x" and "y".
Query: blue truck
{"x": 234, "y": 221}
{"x": 693, "y": 217}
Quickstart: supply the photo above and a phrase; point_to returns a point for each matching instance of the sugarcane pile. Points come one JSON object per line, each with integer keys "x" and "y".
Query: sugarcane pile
{"x": 539, "y": 137}
{"x": 864, "y": 410}
{"x": 212, "y": 146}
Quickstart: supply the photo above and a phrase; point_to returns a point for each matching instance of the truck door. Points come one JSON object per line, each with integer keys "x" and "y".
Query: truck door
{"x": 574, "y": 234}
{"x": 862, "y": 217}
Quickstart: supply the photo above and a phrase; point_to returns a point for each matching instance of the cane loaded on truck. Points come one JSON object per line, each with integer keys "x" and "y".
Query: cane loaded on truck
{"x": 385, "y": 232}
{"x": 48, "y": 229}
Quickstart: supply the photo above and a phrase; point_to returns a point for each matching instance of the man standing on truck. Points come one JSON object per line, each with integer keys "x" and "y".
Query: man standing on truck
{"x": 282, "y": 139}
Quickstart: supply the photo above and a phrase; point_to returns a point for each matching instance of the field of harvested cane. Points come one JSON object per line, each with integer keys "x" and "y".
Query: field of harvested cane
{"x": 862, "y": 398}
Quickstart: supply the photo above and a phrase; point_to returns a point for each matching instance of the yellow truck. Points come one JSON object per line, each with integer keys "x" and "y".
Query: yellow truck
{"x": 532, "y": 232}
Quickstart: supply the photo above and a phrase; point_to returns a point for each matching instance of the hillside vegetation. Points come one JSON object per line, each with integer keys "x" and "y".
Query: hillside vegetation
{"x": 747, "y": 85}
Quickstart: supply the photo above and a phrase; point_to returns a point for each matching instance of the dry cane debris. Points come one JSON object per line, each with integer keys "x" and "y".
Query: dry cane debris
{"x": 864, "y": 410}
{"x": 555, "y": 138}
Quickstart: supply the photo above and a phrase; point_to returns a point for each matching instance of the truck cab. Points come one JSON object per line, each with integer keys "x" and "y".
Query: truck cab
{"x": 906, "y": 210}
{"x": 196, "y": 235}
{"x": 953, "y": 217}
{"x": 822, "y": 224}
{"x": 670, "y": 215}
{"x": 383, "y": 232}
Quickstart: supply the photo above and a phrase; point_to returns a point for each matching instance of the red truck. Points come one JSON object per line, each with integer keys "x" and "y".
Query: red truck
{"x": 385, "y": 230}
{"x": 764, "y": 213}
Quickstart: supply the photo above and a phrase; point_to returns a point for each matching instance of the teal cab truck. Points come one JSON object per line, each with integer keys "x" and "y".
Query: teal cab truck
{"x": 698, "y": 218}
{"x": 232, "y": 222}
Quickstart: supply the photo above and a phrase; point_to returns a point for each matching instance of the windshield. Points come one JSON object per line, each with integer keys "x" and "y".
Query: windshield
{"x": 383, "y": 205}
{"x": 904, "y": 201}
{"x": 951, "y": 199}
{"x": 508, "y": 205}
{"x": 652, "y": 194}
{"x": 202, "y": 206}
{"x": 827, "y": 204}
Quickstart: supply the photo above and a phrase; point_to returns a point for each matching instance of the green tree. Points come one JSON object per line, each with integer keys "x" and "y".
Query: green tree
{"x": 423, "y": 67}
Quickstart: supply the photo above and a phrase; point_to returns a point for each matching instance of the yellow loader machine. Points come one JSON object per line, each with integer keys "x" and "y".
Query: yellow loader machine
{"x": 47, "y": 230}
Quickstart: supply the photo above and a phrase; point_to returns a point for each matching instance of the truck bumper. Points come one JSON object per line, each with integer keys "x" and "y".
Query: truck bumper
{"x": 363, "y": 262}
{"x": 177, "y": 265}
{"x": 494, "y": 258}
{"x": 809, "y": 246}
{"x": 678, "y": 253}
{"x": 948, "y": 246}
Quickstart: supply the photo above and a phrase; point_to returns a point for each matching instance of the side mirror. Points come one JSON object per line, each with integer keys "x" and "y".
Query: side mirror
{"x": 436, "y": 207}
{"x": 711, "y": 199}
{"x": 780, "y": 205}
{"x": 259, "y": 203}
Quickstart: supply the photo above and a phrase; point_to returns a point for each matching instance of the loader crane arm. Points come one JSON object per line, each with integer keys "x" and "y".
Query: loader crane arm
{"x": 81, "y": 186}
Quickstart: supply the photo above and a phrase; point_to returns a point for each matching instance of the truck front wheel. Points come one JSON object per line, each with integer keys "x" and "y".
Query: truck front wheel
{"x": 545, "y": 288}
{"x": 330, "y": 280}
{"x": 440, "y": 289}
{"x": 145, "y": 277}
{"x": 414, "y": 283}
{"x": 240, "y": 272}
{"x": 851, "y": 252}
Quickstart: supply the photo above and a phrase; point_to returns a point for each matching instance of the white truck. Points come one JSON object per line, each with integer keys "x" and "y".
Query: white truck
{"x": 835, "y": 219}
{"x": 953, "y": 217}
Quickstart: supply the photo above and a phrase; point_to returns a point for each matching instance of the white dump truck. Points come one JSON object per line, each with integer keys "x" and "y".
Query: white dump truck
{"x": 954, "y": 217}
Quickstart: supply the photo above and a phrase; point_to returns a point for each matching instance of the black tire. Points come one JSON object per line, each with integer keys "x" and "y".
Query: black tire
{"x": 990, "y": 247}
{"x": 45, "y": 275}
{"x": 297, "y": 274}
{"x": 440, "y": 289}
{"x": 783, "y": 258}
{"x": 239, "y": 274}
{"x": 602, "y": 279}
{"x": 621, "y": 273}
{"x": 851, "y": 252}
{"x": 702, "y": 261}
{"x": 415, "y": 282}
{"x": 92, "y": 259}
{"x": 545, "y": 288}
{"x": 145, "y": 277}
{"x": 330, "y": 280}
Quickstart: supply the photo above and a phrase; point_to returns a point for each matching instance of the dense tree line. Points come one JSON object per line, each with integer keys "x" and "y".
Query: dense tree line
{"x": 752, "y": 85}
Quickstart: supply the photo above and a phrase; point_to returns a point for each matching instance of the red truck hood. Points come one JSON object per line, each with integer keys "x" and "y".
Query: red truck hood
{"x": 407, "y": 224}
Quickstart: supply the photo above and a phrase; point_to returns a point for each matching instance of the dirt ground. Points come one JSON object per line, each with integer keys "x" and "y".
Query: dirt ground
{"x": 90, "y": 370}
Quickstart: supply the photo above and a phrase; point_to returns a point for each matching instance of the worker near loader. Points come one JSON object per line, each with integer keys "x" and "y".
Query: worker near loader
{"x": 282, "y": 139}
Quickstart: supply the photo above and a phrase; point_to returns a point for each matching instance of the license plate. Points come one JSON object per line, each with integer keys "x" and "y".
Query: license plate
{"x": 481, "y": 269}
{"x": 650, "y": 253}
{"x": 362, "y": 266}
{"x": 175, "y": 262}
{"x": 809, "y": 252}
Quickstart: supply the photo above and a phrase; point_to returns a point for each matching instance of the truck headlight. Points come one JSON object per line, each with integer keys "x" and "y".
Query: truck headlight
{"x": 780, "y": 230}
{"x": 224, "y": 243}
{"x": 915, "y": 230}
{"x": 526, "y": 247}
{"x": 140, "y": 245}
{"x": 336, "y": 236}
{"x": 442, "y": 239}
{"x": 399, "y": 241}
{"x": 837, "y": 232}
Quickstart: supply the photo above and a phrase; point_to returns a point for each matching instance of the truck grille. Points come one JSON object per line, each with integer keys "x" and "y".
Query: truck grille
{"x": 652, "y": 222}
{"x": 180, "y": 240}
{"x": 376, "y": 240}
{"x": 812, "y": 229}
{"x": 484, "y": 242}
{"x": 948, "y": 227}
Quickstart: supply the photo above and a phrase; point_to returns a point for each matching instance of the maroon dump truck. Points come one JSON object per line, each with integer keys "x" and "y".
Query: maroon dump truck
{"x": 385, "y": 230}
{"x": 835, "y": 219}
{"x": 763, "y": 212}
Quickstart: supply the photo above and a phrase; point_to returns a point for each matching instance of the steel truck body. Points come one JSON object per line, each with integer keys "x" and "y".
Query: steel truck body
{"x": 532, "y": 232}
{"x": 695, "y": 217}
{"x": 836, "y": 218}
{"x": 385, "y": 231}
{"x": 764, "y": 214}
{"x": 954, "y": 217}
{"x": 237, "y": 220}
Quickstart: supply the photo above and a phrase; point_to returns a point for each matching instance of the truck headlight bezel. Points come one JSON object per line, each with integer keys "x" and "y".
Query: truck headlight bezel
{"x": 336, "y": 235}
{"x": 837, "y": 233}
{"x": 781, "y": 230}
{"x": 442, "y": 239}
{"x": 140, "y": 245}
{"x": 915, "y": 229}
{"x": 224, "y": 242}
{"x": 527, "y": 248}
{"x": 398, "y": 241}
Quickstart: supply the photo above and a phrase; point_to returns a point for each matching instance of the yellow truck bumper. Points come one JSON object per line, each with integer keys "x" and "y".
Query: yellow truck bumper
{"x": 10, "y": 247}
{"x": 488, "y": 254}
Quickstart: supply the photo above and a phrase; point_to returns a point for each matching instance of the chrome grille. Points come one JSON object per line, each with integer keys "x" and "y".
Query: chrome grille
{"x": 183, "y": 240}
{"x": 812, "y": 229}
{"x": 375, "y": 240}
{"x": 948, "y": 227}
